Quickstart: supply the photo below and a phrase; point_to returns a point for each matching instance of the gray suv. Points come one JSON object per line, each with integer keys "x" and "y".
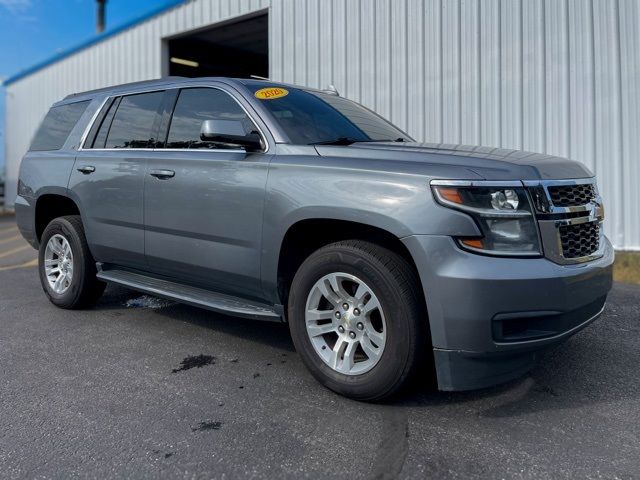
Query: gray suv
{"x": 282, "y": 203}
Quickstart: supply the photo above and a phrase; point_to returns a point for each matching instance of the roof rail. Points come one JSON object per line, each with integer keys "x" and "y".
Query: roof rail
{"x": 157, "y": 81}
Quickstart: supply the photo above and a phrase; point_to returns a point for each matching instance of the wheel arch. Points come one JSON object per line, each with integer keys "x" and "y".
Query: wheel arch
{"x": 52, "y": 205}
{"x": 309, "y": 234}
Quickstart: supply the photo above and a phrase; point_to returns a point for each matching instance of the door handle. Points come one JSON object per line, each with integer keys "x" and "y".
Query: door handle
{"x": 87, "y": 169}
{"x": 162, "y": 174}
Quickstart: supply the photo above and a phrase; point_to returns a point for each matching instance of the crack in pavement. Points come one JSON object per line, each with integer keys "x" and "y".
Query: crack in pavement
{"x": 392, "y": 451}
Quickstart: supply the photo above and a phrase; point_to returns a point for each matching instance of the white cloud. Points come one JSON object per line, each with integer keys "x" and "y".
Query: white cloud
{"x": 16, "y": 6}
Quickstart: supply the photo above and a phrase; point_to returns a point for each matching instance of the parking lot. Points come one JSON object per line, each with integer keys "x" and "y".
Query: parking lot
{"x": 144, "y": 388}
{"x": 14, "y": 251}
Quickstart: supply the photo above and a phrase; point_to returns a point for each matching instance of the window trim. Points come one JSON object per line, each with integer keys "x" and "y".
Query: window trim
{"x": 112, "y": 103}
{"x": 92, "y": 121}
{"x": 116, "y": 106}
{"x": 167, "y": 89}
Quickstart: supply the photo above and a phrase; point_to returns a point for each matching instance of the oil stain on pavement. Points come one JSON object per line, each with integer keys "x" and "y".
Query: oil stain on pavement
{"x": 166, "y": 455}
{"x": 195, "y": 362}
{"x": 204, "y": 426}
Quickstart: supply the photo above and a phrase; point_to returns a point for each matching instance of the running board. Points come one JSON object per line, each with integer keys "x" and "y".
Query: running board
{"x": 198, "y": 297}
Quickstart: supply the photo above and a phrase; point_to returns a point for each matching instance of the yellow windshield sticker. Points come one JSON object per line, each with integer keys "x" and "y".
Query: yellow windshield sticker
{"x": 271, "y": 93}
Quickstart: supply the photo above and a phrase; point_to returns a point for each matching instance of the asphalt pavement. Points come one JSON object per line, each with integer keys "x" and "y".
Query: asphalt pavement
{"x": 143, "y": 388}
{"x": 13, "y": 249}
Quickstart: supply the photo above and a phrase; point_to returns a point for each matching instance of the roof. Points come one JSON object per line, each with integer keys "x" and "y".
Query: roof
{"x": 179, "y": 82}
{"x": 167, "y": 5}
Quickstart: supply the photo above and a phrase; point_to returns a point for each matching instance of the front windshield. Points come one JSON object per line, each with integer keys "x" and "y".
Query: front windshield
{"x": 312, "y": 118}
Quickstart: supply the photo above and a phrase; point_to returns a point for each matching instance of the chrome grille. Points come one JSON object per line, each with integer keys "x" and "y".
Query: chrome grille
{"x": 570, "y": 215}
{"x": 580, "y": 240}
{"x": 571, "y": 195}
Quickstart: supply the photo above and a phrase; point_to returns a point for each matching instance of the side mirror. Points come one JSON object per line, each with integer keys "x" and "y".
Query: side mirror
{"x": 229, "y": 132}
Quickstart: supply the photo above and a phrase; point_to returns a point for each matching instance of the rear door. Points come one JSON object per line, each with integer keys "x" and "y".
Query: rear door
{"x": 204, "y": 201}
{"x": 108, "y": 178}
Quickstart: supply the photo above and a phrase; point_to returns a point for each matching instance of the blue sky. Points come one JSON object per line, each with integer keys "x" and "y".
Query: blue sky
{"x": 35, "y": 30}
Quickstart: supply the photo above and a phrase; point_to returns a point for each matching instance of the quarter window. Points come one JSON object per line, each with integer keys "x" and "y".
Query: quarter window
{"x": 134, "y": 121}
{"x": 194, "y": 106}
{"x": 57, "y": 126}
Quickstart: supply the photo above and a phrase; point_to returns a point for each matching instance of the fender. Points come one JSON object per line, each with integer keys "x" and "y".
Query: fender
{"x": 299, "y": 189}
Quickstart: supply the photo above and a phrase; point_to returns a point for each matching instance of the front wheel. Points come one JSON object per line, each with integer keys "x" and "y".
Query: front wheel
{"x": 357, "y": 319}
{"x": 67, "y": 269}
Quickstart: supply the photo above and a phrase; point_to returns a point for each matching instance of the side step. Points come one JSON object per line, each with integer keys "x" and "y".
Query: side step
{"x": 198, "y": 297}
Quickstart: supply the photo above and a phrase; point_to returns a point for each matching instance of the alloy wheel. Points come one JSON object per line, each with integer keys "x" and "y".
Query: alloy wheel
{"x": 345, "y": 323}
{"x": 58, "y": 264}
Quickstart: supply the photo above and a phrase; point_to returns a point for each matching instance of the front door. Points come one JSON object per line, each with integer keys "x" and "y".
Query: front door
{"x": 204, "y": 201}
{"x": 108, "y": 177}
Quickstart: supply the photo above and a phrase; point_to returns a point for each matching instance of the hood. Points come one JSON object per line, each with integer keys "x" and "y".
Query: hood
{"x": 487, "y": 162}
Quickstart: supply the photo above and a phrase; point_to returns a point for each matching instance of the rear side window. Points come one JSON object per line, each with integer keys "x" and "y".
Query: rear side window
{"x": 134, "y": 121}
{"x": 194, "y": 106}
{"x": 100, "y": 138}
{"x": 57, "y": 126}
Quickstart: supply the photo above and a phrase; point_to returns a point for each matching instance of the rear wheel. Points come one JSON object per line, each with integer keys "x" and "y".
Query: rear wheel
{"x": 357, "y": 319}
{"x": 67, "y": 269}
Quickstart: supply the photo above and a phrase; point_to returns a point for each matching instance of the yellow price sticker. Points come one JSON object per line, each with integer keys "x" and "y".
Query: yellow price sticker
{"x": 271, "y": 93}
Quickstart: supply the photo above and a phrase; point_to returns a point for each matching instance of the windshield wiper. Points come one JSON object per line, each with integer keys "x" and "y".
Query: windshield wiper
{"x": 399, "y": 139}
{"x": 349, "y": 141}
{"x": 338, "y": 141}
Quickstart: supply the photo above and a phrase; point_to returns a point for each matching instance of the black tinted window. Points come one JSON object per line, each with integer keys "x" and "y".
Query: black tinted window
{"x": 196, "y": 105}
{"x": 101, "y": 137}
{"x": 373, "y": 126}
{"x": 57, "y": 126}
{"x": 313, "y": 117}
{"x": 133, "y": 124}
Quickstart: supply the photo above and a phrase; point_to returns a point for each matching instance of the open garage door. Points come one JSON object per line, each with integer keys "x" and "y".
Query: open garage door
{"x": 239, "y": 49}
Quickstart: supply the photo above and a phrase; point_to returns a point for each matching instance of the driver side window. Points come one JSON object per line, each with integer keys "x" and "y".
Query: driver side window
{"x": 194, "y": 106}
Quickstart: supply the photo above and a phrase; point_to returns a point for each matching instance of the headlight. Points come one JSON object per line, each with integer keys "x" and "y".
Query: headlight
{"x": 503, "y": 214}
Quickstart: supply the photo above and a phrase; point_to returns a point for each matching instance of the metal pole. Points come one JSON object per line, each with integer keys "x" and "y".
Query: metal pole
{"x": 100, "y": 20}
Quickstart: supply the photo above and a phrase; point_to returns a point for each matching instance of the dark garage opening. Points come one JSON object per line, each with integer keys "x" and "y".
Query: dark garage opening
{"x": 238, "y": 49}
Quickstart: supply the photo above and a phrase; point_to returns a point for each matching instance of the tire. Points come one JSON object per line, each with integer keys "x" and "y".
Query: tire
{"x": 81, "y": 289}
{"x": 402, "y": 319}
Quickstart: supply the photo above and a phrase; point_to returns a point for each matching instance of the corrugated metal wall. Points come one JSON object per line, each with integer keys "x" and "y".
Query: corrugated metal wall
{"x": 554, "y": 76}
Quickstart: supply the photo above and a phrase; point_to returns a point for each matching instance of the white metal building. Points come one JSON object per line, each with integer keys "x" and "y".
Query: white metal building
{"x": 554, "y": 76}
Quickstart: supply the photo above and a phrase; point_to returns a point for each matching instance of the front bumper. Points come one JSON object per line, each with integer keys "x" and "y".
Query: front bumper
{"x": 489, "y": 316}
